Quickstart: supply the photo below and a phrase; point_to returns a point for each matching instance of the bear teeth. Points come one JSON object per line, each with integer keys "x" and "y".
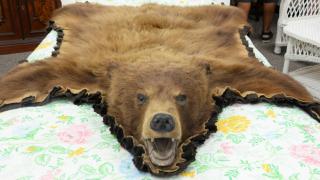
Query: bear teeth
{"x": 152, "y": 140}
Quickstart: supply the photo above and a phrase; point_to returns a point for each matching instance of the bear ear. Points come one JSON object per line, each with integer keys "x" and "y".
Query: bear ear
{"x": 206, "y": 67}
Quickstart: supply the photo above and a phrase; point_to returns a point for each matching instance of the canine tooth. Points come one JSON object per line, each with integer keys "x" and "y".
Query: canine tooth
{"x": 172, "y": 139}
{"x": 152, "y": 139}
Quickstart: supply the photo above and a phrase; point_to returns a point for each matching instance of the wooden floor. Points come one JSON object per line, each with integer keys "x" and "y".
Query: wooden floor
{"x": 9, "y": 61}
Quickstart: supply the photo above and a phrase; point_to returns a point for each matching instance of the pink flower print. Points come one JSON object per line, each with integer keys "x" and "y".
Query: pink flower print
{"x": 309, "y": 130}
{"x": 75, "y": 134}
{"x": 14, "y": 121}
{"x": 226, "y": 148}
{"x": 307, "y": 153}
{"x": 47, "y": 176}
{"x": 50, "y": 175}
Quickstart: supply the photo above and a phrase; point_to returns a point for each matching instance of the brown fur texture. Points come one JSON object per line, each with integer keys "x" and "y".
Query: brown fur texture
{"x": 159, "y": 51}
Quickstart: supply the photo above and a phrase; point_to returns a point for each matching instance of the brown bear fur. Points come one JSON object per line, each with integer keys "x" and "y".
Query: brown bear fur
{"x": 160, "y": 51}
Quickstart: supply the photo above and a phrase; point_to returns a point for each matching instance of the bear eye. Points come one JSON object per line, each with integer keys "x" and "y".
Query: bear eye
{"x": 181, "y": 99}
{"x": 142, "y": 98}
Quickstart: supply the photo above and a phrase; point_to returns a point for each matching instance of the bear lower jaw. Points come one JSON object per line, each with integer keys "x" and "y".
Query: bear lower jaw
{"x": 161, "y": 151}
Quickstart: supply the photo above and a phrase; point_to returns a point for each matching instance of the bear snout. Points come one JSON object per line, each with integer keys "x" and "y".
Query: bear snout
{"x": 162, "y": 122}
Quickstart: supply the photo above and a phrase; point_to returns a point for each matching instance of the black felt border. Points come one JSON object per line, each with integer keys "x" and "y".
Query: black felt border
{"x": 52, "y": 26}
{"x": 78, "y": 98}
{"x": 243, "y": 32}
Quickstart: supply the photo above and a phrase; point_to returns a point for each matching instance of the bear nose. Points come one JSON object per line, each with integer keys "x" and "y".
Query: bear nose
{"x": 162, "y": 122}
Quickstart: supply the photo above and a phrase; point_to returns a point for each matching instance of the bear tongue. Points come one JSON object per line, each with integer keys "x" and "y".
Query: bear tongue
{"x": 163, "y": 148}
{"x": 162, "y": 145}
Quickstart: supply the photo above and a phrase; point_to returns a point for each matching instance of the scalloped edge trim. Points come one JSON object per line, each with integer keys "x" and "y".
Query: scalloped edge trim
{"x": 52, "y": 26}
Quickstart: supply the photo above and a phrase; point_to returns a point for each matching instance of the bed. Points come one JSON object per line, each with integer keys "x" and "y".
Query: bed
{"x": 61, "y": 140}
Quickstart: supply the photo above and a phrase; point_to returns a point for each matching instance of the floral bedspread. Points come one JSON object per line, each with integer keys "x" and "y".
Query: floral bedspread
{"x": 61, "y": 141}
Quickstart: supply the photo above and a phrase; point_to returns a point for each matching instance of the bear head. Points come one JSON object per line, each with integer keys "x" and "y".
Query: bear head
{"x": 160, "y": 105}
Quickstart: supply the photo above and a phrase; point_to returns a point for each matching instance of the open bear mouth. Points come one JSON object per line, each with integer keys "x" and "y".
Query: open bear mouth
{"x": 162, "y": 151}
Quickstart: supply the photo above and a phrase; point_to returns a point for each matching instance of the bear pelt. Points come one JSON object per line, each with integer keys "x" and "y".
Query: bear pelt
{"x": 162, "y": 70}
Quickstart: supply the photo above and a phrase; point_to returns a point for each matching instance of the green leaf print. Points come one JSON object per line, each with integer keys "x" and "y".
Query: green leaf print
{"x": 205, "y": 158}
{"x": 84, "y": 119}
{"x": 146, "y": 178}
{"x": 256, "y": 139}
{"x": 273, "y": 173}
{"x": 246, "y": 165}
{"x": 42, "y": 159}
{"x": 289, "y": 124}
{"x": 235, "y": 138}
{"x": 25, "y": 178}
{"x": 96, "y": 157}
{"x": 232, "y": 174}
{"x": 2, "y": 167}
{"x": 54, "y": 164}
{"x": 316, "y": 171}
{"x": 105, "y": 169}
{"x": 61, "y": 177}
{"x": 109, "y": 140}
{"x": 57, "y": 150}
{"x": 108, "y": 137}
{"x": 116, "y": 147}
{"x": 7, "y": 151}
{"x": 307, "y": 137}
{"x": 87, "y": 169}
{"x": 208, "y": 161}
{"x": 220, "y": 159}
{"x": 28, "y": 118}
{"x": 261, "y": 115}
{"x": 66, "y": 118}
{"x": 102, "y": 145}
{"x": 32, "y": 149}
{"x": 302, "y": 164}
{"x": 85, "y": 107}
{"x": 269, "y": 106}
{"x": 294, "y": 176}
{"x": 199, "y": 167}
{"x": 202, "y": 168}
{"x": 31, "y": 134}
{"x": 4, "y": 124}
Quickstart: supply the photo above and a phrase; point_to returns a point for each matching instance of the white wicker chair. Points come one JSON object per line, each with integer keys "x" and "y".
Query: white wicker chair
{"x": 304, "y": 45}
{"x": 292, "y": 10}
{"x": 303, "y": 41}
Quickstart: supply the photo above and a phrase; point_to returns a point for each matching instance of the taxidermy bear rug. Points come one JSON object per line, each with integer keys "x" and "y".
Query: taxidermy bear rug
{"x": 158, "y": 74}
